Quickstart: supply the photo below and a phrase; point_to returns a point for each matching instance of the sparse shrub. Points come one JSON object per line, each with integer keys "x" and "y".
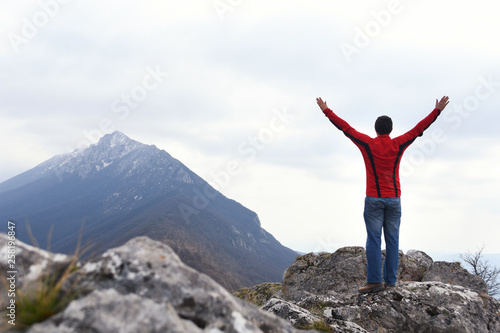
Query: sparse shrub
{"x": 46, "y": 297}
{"x": 321, "y": 326}
{"x": 259, "y": 294}
{"x": 480, "y": 267}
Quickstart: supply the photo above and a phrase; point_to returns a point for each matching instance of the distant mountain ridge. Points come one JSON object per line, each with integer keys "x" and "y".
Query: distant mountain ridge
{"x": 83, "y": 162}
{"x": 120, "y": 189}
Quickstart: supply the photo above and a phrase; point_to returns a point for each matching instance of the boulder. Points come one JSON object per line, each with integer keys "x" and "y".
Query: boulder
{"x": 30, "y": 263}
{"x": 429, "y": 296}
{"x": 454, "y": 273}
{"x": 141, "y": 286}
{"x": 344, "y": 271}
{"x": 325, "y": 274}
{"x": 432, "y": 307}
{"x": 109, "y": 311}
{"x": 414, "y": 265}
{"x": 298, "y": 316}
{"x": 302, "y": 318}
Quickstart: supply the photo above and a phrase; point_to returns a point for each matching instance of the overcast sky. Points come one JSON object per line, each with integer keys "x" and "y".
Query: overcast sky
{"x": 228, "y": 87}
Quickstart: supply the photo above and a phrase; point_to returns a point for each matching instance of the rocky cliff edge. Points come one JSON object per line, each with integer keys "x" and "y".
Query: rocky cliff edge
{"x": 431, "y": 297}
{"x": 143, "y": 286}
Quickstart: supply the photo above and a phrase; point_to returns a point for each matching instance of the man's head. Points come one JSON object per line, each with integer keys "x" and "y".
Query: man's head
{"x": 383, "y": 125}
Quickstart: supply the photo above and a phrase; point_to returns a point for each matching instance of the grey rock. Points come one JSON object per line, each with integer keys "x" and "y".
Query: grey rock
{"x": 454, "y": 273}
{"x": 341, "y": 326}
{"x": 143, "y": 286}
{"x": 344, "y": 271}
{"x": 429, "y": 297}
{"x": 414, "y": 265}
{"x": 433, "y": 307}
{"x": 108, "y": 311}
{"x": 298, "y": 316}
{"x": 30, "y": 263}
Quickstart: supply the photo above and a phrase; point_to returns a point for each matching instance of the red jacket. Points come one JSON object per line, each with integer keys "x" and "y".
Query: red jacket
{"x": 382, "y": 154}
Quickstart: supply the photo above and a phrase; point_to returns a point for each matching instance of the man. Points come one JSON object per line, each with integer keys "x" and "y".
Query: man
{"x": 382, "y": 156}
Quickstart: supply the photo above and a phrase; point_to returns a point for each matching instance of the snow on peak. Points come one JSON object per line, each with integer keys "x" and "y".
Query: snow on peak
{"x": 95, "y": 157}
{"x": 118, "y": 139}
{"x": 115, "y": 152}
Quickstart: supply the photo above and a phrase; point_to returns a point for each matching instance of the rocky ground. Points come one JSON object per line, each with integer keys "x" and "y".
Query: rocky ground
{"x": 429, "y": 297}
{"x": 143, "y": 286}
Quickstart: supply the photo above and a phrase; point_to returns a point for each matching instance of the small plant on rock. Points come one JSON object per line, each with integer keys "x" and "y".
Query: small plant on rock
{"x": 48, "y": 295}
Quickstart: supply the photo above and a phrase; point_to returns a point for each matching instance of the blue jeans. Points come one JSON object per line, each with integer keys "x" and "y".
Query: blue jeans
{"x": 382, "y": 214}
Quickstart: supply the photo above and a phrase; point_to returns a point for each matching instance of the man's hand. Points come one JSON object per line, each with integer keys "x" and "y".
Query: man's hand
{"x": 442, "y": 103}
{"x": 321, "y": 104}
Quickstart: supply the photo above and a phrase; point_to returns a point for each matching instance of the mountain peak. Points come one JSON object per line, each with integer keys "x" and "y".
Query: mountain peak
{"x": 109, "y": 149}
{"x": 122, "y": 188}
{"x": 117, "y": 138}
{"x": 81, "y": 162}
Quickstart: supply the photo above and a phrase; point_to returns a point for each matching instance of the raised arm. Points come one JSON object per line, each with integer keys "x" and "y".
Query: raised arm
{"x": 323, "y": 105}
{"x": 340, "y": 123}
{"x": 442, "y": 103}
{"x": 419, "y": 129}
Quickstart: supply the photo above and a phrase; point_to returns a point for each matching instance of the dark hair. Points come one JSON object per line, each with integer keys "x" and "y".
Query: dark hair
{"x": 383, "y": 125}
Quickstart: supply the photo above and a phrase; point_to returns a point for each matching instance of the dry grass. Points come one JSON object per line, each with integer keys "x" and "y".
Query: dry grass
{"x": 48, "y": 295}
